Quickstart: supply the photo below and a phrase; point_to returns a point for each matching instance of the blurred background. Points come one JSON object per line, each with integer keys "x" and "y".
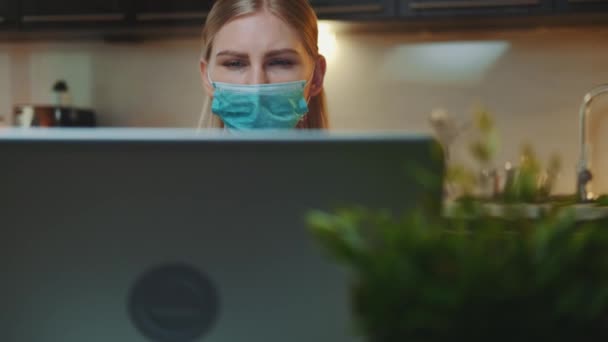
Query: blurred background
{"x": 391, "y": 63}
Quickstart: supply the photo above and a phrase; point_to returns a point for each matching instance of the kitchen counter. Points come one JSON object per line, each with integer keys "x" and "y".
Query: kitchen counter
{"x": 583, "y": 212}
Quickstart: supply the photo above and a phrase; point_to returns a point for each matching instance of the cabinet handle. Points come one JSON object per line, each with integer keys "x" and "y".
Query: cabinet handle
{"x": 153, "y": 16}
{"x": 349, "y": 9}
{"x": 72, "y": 18}
{"x": 587, "y": 1}
{"x": 435, "y": 5}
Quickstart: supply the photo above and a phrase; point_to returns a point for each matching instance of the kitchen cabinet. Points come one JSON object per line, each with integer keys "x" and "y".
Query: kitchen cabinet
{"x": 454, "y": 8}
{"x": 174, "y": 11}
{"x": 8, "y": 12}
{"x": 354, "y": 9}
{"x": 195, "y": 11}
{"x": 102, "y": 15}
{"x": 72, "y": 12}
{"x": 582, "y": 5}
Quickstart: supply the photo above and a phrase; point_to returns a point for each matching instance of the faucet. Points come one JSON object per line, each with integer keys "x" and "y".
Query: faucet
{"x": 584, "y": 175}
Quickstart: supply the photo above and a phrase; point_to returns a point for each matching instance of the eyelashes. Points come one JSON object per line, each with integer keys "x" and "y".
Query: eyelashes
{"x": 234, "y": 64}
{"x": 281, "y": 63}
{"x": 274, "y": 63}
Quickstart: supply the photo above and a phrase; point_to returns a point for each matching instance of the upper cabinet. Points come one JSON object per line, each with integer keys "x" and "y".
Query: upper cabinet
{"x": 173, "y": 11}
{"x": 429, "y": 8}
{"x": 8, "y": 12}
{"x": 195, "y": 11}
{"x": 32, "y": 15}
{"x": 67, "y": 12}
{"x": 581, "y": 5}
{"x": 354, "y": 9}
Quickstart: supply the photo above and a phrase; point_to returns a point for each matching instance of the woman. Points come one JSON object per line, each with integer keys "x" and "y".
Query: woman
{"x": 261, "y": 66}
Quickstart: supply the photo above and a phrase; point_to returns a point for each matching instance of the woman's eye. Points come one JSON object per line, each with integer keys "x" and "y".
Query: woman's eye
{"x": 281, "y": 63}
{"x": 235, "y": 64}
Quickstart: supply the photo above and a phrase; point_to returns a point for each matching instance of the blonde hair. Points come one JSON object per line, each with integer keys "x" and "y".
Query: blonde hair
{"x": 297, "y": 13}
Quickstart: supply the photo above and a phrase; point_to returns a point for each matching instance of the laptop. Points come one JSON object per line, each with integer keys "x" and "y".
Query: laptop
{"x": 175, "y": 235}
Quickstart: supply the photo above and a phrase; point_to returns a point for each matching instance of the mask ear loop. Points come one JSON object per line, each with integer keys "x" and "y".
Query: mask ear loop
{"x": 309, "y": 82}
{"x": 205, "y": 104}
{"x": 209, "y": 78}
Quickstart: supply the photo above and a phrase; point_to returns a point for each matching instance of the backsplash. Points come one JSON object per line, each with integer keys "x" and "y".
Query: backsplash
{"x": 532, "y": 80}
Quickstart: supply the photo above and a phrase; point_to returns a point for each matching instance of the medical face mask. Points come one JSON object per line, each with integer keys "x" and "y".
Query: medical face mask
{"x": 259, "y": 106}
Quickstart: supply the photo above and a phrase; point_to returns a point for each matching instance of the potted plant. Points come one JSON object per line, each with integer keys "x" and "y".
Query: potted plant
{"x": 471, "y": 275}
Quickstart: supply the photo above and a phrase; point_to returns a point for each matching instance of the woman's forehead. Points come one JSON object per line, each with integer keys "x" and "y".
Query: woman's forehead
{"x": 255, "y": 34}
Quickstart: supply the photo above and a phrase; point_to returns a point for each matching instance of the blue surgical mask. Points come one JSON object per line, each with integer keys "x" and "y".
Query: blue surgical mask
{"x": 259, "y": 106}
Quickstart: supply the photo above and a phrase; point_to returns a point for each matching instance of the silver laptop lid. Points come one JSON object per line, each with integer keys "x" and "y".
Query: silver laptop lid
{"x": 174, "y": 235}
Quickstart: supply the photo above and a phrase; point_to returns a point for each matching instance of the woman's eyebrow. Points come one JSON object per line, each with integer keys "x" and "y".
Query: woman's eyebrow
{"x": 232, "y": 53}
{"x": 281, "y": 52}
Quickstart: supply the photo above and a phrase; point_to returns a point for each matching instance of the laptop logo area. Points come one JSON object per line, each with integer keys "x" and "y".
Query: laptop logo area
{"x": 174, "y": 303}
